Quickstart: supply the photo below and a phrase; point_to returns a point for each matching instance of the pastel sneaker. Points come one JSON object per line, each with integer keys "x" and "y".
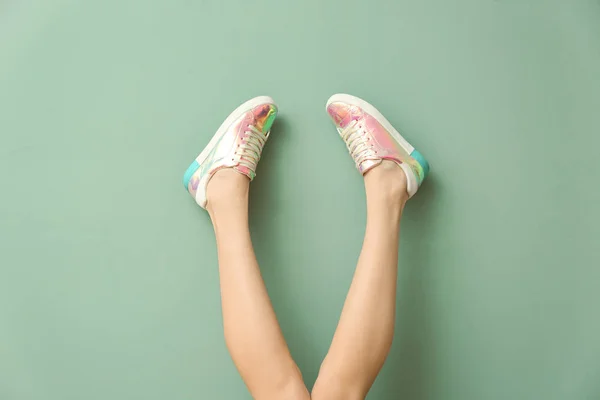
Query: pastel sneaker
{"x": 370, "y": 139}
{"x": 237, "y": 144}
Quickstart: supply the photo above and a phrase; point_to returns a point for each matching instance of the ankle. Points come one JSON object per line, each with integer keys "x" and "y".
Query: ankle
{"x": 387, "y": 182}
{"x": 227, "y": 188}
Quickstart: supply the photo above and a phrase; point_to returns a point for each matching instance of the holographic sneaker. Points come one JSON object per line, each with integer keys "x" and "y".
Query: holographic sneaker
{"x": 237, "y": 144}
{"x": 370, "y": 139}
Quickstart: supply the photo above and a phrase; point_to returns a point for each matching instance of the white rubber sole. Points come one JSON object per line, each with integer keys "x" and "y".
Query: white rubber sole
{"x": 349, "y": 99}
{"x": 237, "y": 113}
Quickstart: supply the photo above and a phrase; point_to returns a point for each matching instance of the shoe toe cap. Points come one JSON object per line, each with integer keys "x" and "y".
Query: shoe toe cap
{"x": 341, "y": 113}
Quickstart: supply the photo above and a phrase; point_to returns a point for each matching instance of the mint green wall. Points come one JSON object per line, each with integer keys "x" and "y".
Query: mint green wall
{"x": 108, "y": 279}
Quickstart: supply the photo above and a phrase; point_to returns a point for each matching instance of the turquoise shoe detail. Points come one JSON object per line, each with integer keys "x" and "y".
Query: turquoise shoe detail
{"x": 422, "y": 162}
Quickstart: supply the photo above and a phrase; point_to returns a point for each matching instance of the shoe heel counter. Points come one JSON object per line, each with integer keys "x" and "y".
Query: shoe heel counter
{"x": 422, "y": 166}
{"x": 187, "y": 176}
{"x": 422, "y": 162}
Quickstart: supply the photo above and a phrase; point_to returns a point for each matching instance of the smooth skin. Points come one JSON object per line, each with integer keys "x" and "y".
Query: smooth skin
{"x": 364, "y": 333}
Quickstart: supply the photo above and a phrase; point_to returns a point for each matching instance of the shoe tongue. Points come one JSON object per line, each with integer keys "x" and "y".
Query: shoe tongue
{"x": 366, "y": 165}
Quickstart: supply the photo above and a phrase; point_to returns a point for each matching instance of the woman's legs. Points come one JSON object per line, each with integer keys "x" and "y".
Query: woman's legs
{"x": 364, "y": 334}
{"x": 252, "y": 333}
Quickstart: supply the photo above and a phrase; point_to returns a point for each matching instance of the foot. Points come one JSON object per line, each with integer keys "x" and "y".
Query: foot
{"x": 237, "y": 144}
{"x": 371, "y": 139}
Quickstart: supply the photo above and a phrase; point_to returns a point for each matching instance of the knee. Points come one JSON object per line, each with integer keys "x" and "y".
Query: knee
{"x": 331, "y": 387}
{"x": 286, "y": 388}
{"x": 294, "y": 390}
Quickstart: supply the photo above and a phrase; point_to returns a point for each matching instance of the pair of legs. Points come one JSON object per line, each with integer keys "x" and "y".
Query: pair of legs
{"x": 364, "y": 334}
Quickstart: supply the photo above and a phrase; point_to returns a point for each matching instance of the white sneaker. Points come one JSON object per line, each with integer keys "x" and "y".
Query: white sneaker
{"x": 370, "y": 139}
{"x": 237, "y": 144}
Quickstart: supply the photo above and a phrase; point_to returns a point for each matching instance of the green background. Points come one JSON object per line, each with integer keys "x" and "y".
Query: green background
{"x": 108, "y": 277}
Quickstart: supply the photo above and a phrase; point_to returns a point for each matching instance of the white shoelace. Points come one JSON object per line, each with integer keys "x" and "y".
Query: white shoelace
{"x": 358, "y": 142}
{"x": 250, "y": 149}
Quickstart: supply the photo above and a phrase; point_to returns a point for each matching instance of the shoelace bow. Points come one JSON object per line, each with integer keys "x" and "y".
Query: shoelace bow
{"x": 250, "y": 149}
{"x": 358, "y": 142}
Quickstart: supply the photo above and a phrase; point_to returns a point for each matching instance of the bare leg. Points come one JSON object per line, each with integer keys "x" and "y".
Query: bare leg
{"x": 252, "y": 333}
{"x": 364, "y": 334}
